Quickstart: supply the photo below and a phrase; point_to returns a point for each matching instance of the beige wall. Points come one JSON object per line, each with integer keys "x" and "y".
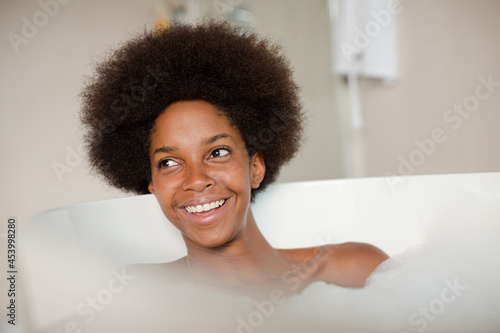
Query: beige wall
{"x": 444, "y": 47}
{"x": 303, "y": 28}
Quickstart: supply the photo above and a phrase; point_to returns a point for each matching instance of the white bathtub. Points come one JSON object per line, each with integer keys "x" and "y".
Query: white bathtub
{"x": 70, "y": 250}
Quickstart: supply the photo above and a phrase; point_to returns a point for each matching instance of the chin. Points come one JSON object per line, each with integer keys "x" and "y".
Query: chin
{"x": 212, "y": 239}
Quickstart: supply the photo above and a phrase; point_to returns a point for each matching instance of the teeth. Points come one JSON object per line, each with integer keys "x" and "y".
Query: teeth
{"x": 206, "y": 207}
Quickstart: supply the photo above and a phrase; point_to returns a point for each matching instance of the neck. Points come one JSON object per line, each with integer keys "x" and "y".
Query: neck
{"x": 248, "y": 259}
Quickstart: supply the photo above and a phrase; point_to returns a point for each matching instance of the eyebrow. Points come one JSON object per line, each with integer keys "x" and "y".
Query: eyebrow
{"x": 164, "y": 150}
{"x": 169, "y": 149}
{"x": 215, "y": 138}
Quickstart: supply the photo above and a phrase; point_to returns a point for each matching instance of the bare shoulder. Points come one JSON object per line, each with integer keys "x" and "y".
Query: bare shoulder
{"x": 301, "y": 255}
{"x": 350, "y": 264}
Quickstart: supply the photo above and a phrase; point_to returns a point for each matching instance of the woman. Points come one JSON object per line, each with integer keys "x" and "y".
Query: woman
{"x": 204, "y": 117}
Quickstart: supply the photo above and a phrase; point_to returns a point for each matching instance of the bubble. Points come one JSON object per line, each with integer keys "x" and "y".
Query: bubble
{"x": 448, "y": 283}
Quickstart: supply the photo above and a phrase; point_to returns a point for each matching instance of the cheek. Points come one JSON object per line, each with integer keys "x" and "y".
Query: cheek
{"x": 165, "y": 199}
{"x": 164, "y": 191}
{"x": 237, "y": 177}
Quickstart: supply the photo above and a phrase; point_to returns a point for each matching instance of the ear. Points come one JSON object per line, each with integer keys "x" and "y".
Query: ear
{"x": 151, "y": 188}
{"x": 257, "y": 169}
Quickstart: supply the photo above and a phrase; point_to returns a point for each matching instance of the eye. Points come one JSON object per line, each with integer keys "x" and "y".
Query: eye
{"x": 219, "y": 152}
{"x": 166, "y": 163}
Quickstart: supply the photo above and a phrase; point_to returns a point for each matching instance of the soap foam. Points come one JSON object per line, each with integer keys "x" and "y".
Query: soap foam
{"x": 448, "y": 283}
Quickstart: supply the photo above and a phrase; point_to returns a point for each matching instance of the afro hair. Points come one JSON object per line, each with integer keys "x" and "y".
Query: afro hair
{"x": 243, "y": 75}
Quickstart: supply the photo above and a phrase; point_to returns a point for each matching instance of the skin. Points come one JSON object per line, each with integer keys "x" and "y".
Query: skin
{"x": 197, "y": 156}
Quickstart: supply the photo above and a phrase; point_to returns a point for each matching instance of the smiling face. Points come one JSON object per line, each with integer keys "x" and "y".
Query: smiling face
{"x": 202, "y": 175}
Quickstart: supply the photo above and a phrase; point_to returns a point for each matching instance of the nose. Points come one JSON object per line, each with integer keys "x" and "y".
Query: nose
{"x": 197, "y": 178}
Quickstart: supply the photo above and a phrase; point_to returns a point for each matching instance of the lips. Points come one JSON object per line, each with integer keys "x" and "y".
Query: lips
{"x": 205, "y": 211}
